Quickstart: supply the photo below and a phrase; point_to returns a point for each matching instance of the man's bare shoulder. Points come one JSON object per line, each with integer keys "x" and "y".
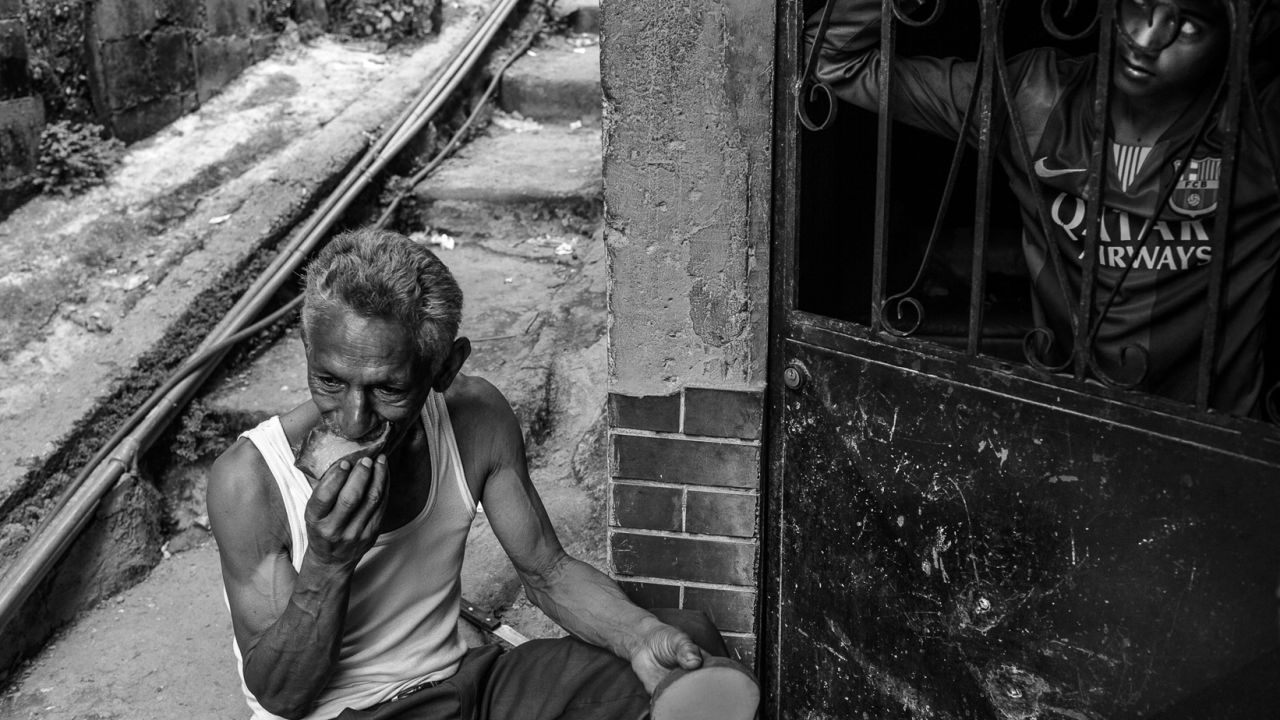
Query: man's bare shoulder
{"x": 241, "y": 495}
{"x": 485, "y": 428}
{"x": 238, "y": 468}
{"x": 475, "y": 403}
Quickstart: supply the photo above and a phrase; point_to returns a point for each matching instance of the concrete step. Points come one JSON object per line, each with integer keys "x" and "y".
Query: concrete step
{"x": 577, "y": 16}
{"x": 557, "y": 82}
{"x": 521, "y": 188}
{"x": 127, "y": 277}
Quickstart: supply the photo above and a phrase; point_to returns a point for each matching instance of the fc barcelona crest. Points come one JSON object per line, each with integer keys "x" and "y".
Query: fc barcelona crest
{"x": 1197, "y": 190}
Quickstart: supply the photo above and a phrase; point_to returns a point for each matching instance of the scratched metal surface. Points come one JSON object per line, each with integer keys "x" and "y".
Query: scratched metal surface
{"x": 951, "y": 552}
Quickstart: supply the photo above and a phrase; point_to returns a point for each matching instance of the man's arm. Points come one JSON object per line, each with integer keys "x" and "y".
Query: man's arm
{"x": 288, "y": 624}
{"x": 929, "y": 93}
{"x": 578, "y": 597}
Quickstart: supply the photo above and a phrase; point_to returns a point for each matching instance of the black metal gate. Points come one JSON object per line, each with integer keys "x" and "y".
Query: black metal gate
{"x": 958, "y": 526}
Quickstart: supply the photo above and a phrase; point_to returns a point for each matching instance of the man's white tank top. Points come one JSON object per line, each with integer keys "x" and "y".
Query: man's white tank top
{"x": 402, "y": 618}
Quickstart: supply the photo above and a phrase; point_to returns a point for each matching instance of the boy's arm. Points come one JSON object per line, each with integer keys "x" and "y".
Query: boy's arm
{"x": 578, "y": 597}
{"x": 929, "y": 93}
{"x": 1269, "y": 119}
{"x": 288, "y": 624}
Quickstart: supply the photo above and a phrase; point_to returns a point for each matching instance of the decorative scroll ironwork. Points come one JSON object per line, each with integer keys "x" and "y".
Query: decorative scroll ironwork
{"x": 816, "y": 87}
{"x": 1046, "y": 17}
{"x": 1038, "y": 361}
{"x": 1036, "y": 345}
{"x": 802, "y": 110}
{"x": 898, "y": 300}
{"x": 904, "y": 13}
{"x": 902, "y": 299}
{"x": 1140, "y": 374}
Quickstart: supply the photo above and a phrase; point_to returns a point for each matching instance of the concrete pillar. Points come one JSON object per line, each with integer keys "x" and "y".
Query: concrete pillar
{"x": 687, "y": 178}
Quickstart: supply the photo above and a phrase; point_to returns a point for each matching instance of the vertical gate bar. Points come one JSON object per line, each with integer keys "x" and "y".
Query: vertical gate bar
{"x": 991, "y": 22}
{"x": 785, "y": 219}
{"x": 1220, "y": 247}
{"x": 1023, "y": 155}
{"x": 884, "y": 140}
{"x": 1093, "y": 192}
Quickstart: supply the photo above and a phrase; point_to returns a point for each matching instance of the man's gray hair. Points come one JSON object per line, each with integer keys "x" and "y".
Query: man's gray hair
{"x": 382, "y": 274}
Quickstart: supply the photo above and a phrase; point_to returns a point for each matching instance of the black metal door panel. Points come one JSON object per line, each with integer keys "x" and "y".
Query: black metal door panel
{"x": 951, "y": 550}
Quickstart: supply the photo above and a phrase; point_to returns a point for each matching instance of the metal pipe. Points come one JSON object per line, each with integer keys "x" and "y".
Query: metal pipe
{"x": 93, "y": 482}
{"x": 97, "y": 478}
{"x": 63, "y": 528}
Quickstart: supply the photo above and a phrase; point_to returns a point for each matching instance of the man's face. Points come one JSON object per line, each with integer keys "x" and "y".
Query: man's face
{"x": 1169, "y": 49}
{"x": 364, "y": 373}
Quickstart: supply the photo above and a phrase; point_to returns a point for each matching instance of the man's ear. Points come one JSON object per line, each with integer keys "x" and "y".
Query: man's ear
{"x": 458, "y": 354}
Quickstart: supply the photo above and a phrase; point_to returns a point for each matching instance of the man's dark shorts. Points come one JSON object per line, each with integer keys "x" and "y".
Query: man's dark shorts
{"x": 539, "y": 680}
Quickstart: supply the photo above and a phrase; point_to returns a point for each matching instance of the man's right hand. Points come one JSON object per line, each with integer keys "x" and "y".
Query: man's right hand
{"x": 345, "y": 511}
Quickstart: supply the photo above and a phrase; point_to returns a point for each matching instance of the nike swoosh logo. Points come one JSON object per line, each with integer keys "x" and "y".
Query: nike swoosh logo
{"x": 1047, "y": 172}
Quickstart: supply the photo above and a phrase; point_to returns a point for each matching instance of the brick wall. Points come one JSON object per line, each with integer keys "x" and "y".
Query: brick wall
{"x": 684, "y": 501}
{"x": 152, "y": 61}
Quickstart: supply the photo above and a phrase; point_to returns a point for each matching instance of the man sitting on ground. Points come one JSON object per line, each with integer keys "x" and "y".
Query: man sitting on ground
{"x": 344, "y": 590}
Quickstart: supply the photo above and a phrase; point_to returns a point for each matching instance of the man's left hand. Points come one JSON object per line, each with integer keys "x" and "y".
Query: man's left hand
{"x": 662, "y": 649}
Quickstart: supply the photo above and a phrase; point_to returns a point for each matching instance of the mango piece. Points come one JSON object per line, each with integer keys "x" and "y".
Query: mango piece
{"x": 322, "y": 448}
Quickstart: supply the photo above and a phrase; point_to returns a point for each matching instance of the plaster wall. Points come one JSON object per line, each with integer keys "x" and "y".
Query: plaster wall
{"x": 687, "y": 175}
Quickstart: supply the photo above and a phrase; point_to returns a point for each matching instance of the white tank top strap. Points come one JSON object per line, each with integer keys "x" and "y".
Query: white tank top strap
{"x": 273, "y": 444}
{"x": 436, "y": 415}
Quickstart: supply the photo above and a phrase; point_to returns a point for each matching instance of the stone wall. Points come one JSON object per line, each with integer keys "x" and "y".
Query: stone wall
{"x": 687, "y": 173}
{"x": 21, "y": 113}
{"x": 14, "y": 78}
{"x": 152, "y": 61}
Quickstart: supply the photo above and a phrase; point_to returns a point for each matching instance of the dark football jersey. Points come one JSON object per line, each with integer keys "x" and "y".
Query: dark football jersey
{"x": 1160, "y": 307}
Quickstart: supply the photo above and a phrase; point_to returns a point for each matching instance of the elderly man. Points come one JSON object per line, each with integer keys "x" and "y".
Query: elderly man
{"x": 344, "y": 586}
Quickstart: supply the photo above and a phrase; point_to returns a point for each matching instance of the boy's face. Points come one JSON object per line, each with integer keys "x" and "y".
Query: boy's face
{"x": 1169, "y": 49}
